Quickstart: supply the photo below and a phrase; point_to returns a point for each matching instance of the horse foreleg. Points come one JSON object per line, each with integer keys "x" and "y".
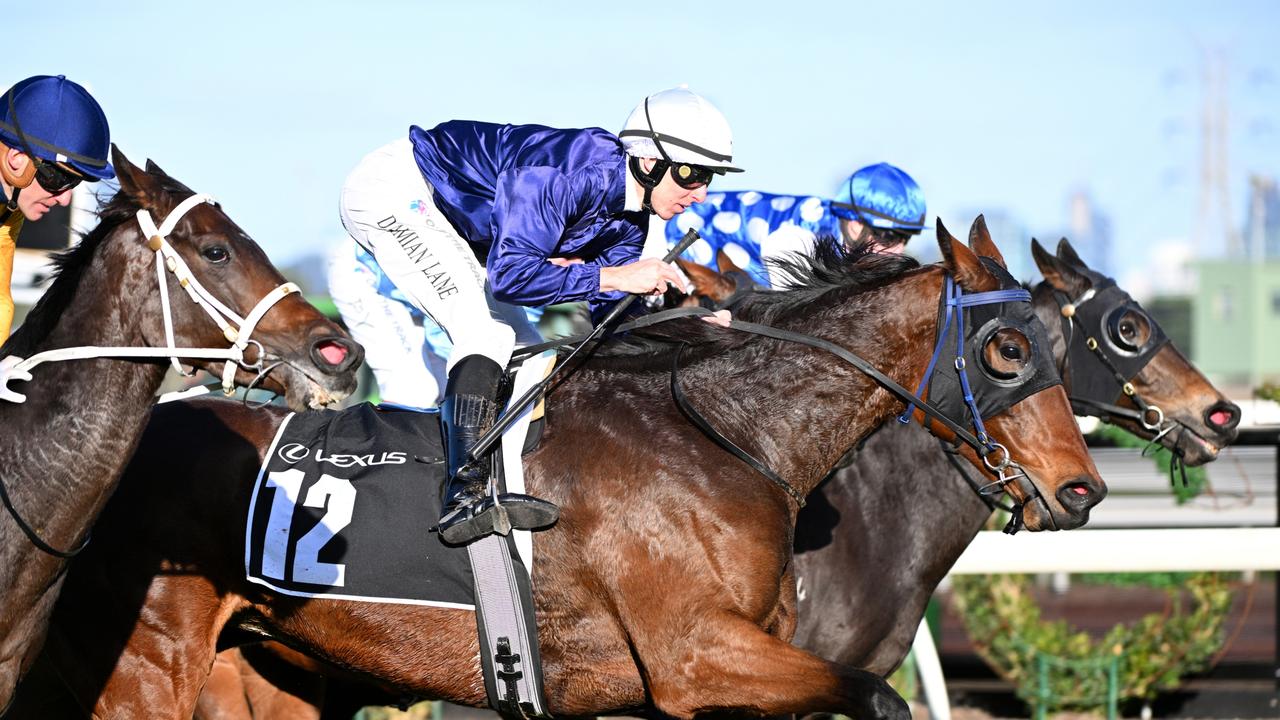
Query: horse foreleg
{"x": 146, "y": 660}
{"x": 730, "y": 664}
{"x": 224, "y": 696}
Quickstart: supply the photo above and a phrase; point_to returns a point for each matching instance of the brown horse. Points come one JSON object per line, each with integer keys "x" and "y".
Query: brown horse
{"x": 66, "y": 446}
{"x": 866, "y": 571}
{"x": 666, "y": 584}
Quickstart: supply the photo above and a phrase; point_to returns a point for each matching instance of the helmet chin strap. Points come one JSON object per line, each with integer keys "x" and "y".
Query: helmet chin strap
{"x": 648, "y": 180}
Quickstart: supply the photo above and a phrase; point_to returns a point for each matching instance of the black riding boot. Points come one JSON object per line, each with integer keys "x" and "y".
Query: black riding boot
{"x": 467, "y": 413}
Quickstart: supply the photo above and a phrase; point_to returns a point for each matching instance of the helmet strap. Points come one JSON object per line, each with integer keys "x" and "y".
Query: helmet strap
{"x": 648, "y": 180}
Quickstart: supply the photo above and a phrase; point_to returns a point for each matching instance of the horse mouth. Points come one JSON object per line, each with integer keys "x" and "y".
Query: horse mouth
{"x": 1066, "y": 509}
{"x": 307, "y": 388}
{"x": 1194, "y": 449}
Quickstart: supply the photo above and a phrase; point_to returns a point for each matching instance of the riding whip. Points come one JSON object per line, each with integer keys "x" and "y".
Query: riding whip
{"x": 513, "y": 411}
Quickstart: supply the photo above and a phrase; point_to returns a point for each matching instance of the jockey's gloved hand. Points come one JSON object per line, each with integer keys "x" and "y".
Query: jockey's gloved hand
{"x": 9, "y": 372}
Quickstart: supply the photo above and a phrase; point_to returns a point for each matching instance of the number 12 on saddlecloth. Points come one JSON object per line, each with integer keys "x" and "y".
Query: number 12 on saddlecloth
{"x": 335, "y": 494}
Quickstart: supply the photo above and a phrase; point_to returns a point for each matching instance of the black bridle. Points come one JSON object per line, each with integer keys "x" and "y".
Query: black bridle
{"x": 1096, "y": 314}
{"x": 949, "y": 405}
{"x": 1012, "y": 307}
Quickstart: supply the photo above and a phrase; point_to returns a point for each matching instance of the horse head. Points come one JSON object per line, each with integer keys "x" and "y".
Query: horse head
{"x": 714, "y": 289}
{"x": 1025, "y": 413}
{"x": 1123, "y": 368}
{"x": 292, "y": 349}
{"x": 1009, "y": 360}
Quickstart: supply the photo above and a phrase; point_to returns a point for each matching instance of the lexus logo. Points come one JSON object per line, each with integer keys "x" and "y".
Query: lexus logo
{"x": 293, "y": 452}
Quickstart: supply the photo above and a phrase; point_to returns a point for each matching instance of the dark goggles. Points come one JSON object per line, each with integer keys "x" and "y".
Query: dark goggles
{"x": 54, "y": 178}
{"x": 691, "y": 177}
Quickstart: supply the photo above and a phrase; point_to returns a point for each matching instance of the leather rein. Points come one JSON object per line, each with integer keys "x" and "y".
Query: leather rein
{"x": 1004, "y": 468}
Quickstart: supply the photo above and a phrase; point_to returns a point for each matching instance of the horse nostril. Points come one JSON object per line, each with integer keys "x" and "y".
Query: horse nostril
{"x": 1081, "y": 495}
{"x": 332, "y": 352}
{"x": 1223, "y": 415}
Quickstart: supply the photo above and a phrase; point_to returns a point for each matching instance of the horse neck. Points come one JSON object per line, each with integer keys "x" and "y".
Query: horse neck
{"x": 68, "y": 443}
{"x": 802, "y": 429}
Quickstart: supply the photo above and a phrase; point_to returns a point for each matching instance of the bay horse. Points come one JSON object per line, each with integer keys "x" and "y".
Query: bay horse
{"x": 66, "y": 446}
{"x": 866, "y": 570}
{"x": 667, "y": 583}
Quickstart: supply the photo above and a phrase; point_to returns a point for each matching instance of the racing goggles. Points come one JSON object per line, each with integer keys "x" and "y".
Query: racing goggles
{"x": 54, "y": 178}
{"x": 691, "y": 177}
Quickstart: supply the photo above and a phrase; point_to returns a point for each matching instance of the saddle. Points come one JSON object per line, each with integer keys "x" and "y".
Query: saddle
{"x": 341, "y": 510}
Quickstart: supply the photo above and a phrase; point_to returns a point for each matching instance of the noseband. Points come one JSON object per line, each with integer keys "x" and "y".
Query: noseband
{"x": 236, "y": 329}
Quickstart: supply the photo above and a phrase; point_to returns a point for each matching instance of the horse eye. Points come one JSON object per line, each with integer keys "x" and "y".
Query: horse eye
{"x": 1006, "y": 353}
{"x": 1128, "y": 329}
{"x": 215, "y": 254}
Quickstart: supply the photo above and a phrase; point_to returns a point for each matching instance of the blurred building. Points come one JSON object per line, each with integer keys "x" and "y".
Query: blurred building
{"x": 1173, "y": 313}
{"x": 1009, "y": 233}
{"x": 1236, "y": 321}
{"x": 1089, "y": 230}
{"x": 1261, "y": 237}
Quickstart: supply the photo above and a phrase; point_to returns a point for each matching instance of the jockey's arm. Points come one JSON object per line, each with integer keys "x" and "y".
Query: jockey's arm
{"x": 530, "y": 212}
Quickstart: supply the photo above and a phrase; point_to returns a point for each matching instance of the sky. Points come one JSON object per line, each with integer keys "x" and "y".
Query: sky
{"x": 992, "y": 106}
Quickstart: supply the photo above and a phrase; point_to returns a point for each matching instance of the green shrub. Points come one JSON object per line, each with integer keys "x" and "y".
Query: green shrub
{"x": 1155, "y": 652}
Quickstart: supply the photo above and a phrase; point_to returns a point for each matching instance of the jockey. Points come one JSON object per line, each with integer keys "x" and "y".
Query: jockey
{"x": 53, "y": 136}
{"x": 405, "y": 349}
{"x": 879, "y": 204}
{"x": 474, "y": 221}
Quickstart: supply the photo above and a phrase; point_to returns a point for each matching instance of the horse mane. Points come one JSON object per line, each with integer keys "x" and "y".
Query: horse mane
{"x": 70, "y": 265}
{"x": 825, "y": 277}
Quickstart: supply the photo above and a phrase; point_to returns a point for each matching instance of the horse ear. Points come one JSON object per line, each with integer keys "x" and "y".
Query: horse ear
{"x": 963, "y": 264}
{"x": 726, "y": 263}
{"x": 154, "y": 169}
{"x": 1057, "y": 271}
{"x": 980, "y": 241}
{"x": 1069, "y": 254}
{"x": 706, "y": 282}
{"x": 700, "y": 275}
{"x": 133, "y": 180}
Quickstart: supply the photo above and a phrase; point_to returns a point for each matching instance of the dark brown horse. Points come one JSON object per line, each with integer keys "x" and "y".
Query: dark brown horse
{"x": 65, "y": 447}
{"x": 866, "y": 570}
{"x": 666, "y": 584}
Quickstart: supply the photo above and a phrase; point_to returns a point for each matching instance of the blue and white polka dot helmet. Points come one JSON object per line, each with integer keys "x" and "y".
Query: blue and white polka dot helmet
{"x": 882, "y": 196}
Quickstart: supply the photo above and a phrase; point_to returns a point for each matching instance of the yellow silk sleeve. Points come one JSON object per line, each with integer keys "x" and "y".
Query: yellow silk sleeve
{"x": 8, "y": 241}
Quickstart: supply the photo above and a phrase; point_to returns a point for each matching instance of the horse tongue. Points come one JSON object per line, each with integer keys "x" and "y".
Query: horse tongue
{"x": 333, "y": 353}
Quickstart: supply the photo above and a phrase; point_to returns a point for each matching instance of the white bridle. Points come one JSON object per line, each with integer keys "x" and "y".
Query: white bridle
{"x": 236, "y": 329}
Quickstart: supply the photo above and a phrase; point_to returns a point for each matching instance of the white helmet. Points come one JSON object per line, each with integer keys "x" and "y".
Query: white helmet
{"x": 681, "y": 127}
